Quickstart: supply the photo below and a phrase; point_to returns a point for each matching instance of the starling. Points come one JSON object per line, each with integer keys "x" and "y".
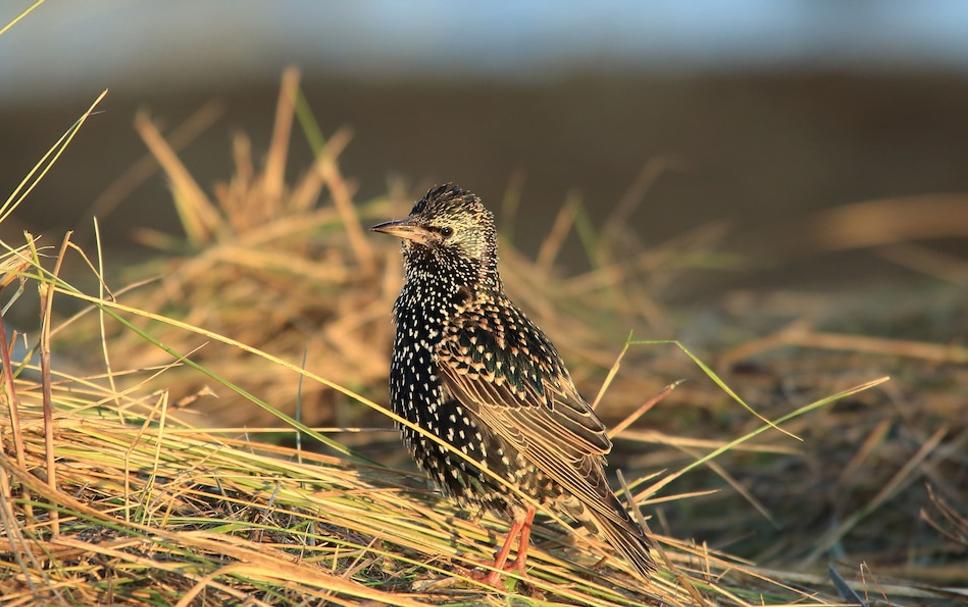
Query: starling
{"x": 469, "y": 367}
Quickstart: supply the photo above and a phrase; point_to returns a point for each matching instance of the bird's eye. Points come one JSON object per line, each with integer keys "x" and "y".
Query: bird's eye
{"x": 446, "y": 232}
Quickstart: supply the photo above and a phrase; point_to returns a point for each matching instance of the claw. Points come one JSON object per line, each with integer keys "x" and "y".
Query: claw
{"x": 489, "y": 577}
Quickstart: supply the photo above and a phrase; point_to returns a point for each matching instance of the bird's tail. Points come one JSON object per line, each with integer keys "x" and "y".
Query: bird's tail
{"x": 626, "y": 536}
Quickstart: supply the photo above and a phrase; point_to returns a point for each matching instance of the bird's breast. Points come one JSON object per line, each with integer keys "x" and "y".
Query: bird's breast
{"x": 415, "y": 391}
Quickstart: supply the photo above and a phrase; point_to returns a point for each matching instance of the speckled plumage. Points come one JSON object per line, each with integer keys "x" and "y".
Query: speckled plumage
{"x": 471, "y": 368}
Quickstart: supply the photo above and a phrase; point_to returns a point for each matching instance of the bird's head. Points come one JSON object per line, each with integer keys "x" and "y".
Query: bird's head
{"x": 449, "y": 228}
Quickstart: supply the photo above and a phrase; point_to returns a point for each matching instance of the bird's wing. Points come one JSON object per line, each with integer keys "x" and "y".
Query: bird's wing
{"x": 503, "y": 368}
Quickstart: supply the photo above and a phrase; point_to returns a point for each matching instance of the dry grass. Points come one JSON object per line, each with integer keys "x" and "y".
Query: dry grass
{"x": 153, "y": 509}
{"x": 145, "y": 479}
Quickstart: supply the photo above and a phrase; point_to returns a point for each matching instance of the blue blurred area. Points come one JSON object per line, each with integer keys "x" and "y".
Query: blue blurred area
{"x": 66, "y": 45}
{"x": 768, "y": 110}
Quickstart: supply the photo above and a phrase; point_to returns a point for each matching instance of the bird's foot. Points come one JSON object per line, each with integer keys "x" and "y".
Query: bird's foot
{"x": 484, "y": 576}
{"x": 492, "y": 576}
{"x": 496, "y": 579}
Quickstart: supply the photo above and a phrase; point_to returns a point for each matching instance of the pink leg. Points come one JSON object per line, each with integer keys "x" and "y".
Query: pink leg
{"x": 522, "y": 559}
{"x": 491, "y": 578}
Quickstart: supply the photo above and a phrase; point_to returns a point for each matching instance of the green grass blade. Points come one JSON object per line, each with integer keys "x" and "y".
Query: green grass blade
{"x": 823, "y": 402}
{"x": 715, "y": 377}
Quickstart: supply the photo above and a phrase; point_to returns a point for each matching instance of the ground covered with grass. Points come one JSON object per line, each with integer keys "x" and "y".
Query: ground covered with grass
{"x": 209, "y": 430}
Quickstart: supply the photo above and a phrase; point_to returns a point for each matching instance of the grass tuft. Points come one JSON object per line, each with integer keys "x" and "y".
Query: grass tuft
{"x": 150, "y": 454}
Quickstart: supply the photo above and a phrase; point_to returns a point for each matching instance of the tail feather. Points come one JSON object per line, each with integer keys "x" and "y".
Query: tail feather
{"x": 626, "y": 536}
{"x": 632, "y": 544}
{"x": 609, "y": 520}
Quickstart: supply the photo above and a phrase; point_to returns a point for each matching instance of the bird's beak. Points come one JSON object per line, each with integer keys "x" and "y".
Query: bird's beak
{"x": 406, "y": 229}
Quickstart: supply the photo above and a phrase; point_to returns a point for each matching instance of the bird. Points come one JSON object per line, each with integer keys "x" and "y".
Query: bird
{"x": 469, "y": 367}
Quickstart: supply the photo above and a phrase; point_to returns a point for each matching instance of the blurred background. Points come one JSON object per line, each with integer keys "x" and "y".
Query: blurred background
{"x": 755, "y": 112}
{"x": 792, "y": 173}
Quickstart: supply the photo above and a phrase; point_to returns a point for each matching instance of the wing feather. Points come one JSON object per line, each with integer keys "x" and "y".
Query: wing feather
{"x": 509, "y": 375}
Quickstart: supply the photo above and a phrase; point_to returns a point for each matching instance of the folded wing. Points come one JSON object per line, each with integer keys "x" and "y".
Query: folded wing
{"x": 507, "y": 373}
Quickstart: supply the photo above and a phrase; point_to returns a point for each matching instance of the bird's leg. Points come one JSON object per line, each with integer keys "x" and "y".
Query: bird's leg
{"x": 520, "y": 530}
{"x": 501, "y": 559}
{"x": 522, "y": 558}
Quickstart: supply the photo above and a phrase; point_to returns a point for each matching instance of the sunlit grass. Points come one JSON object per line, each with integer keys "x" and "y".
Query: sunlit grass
{"x": 158, "y": 497}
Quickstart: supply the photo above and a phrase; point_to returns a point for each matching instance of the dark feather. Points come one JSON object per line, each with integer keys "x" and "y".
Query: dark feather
{"x": 529, "y": 399}
{"x": 471, "y": 368}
